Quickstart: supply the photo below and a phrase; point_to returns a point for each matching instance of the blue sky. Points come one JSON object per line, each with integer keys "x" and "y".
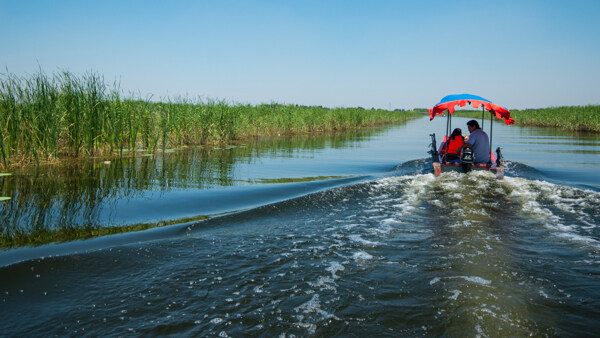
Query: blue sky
{"x": 383, "y": 54}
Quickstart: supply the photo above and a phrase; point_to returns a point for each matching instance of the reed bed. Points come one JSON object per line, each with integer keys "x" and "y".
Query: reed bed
{"x": 574, "y": 118}
{"x": 64, "y": 115}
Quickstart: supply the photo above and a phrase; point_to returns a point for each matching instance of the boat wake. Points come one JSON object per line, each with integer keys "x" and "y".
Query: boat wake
{"x": 460, "y": 254}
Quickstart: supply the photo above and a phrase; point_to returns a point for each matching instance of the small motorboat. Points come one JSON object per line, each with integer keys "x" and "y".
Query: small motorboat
{"x": 465, "y": 161}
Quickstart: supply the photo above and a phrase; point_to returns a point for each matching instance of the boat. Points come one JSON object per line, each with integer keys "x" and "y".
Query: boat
{"x": 442, "y": 163}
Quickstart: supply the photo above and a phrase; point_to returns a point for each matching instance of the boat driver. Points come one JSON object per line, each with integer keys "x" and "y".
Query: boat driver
{"x": 478, "y": 141}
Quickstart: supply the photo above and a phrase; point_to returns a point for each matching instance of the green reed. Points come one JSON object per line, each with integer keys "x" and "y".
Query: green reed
{"x": 576, "y": 118}
{"x": 45, "y": 117}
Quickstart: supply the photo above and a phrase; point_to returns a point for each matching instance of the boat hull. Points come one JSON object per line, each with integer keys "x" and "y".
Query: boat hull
{"x": 440, "y": 167}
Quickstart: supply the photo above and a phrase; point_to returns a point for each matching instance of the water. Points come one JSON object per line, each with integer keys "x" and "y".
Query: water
{"x": 325, "y": 235}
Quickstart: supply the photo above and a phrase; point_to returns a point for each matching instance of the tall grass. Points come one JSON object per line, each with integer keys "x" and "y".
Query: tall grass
{"x": 577, "y": 118}
{"x": 44, "y": 117}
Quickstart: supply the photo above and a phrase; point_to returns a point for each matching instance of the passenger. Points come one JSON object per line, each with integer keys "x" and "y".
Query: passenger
{"x": 478, "y": 141}
{"x": 455, "y": 141}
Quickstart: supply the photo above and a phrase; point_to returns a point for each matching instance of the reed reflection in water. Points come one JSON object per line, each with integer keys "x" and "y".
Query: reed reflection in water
{"x": 83, "y": 199}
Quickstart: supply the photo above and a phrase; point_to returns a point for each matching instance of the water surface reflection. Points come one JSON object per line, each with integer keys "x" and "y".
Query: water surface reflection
{"x": 82, "y": 199}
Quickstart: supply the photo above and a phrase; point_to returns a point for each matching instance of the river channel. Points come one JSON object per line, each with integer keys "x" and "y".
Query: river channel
{"x": 321, "y": 235}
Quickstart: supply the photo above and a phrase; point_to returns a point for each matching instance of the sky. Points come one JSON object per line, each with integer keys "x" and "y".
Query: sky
{"x": 346, "y": 53}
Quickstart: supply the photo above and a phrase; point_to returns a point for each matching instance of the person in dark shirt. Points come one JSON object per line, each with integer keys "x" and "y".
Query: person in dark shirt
{"x": 478, "y": 141}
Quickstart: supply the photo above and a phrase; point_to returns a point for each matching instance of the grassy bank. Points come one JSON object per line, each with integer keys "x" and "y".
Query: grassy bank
{"x": 64, "y": 115}
{"x": 578, "y": 118}
{"x": 575, "y": 118}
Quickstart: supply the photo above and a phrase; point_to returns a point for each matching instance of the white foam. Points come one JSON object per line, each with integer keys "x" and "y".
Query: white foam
{"x": 383, "y": 229}
{"x": 350, "y": 226}
{"x": 578, "y": 238}
{"x": 455, "y": 294}
{"x": 323, "y": 283}
{"x": 361, "y": 256}
{"x": 334, "y": 267}
{"x": 476, "y": 280}
{"x": 472, "y": 279}
{"x": 541, "y": 199}
{"x": 390, "y": 221}
{"x": 313, "y": 306}
{"x": 216, "y": 320}
{"x": 359, "y": 239}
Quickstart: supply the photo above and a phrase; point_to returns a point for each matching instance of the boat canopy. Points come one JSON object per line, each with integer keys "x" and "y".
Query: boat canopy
{"x": 451, "y": 101}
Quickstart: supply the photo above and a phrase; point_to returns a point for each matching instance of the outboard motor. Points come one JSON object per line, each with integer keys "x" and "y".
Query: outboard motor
{"x": 467, "y": 159}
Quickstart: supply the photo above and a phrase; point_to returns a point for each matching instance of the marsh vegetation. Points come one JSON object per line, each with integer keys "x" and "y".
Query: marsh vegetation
{"x": 64, "y": 115}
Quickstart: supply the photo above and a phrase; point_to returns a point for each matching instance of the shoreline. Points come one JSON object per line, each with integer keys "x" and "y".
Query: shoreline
{"x": 107, "y": 155}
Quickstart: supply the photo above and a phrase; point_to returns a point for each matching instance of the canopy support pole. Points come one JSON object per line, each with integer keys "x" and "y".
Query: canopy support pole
{"x": 450, "y": 128}
{"x": 491, "y": 133}
{"x": 482, "y": 115}
{"x": 446, "y": 139}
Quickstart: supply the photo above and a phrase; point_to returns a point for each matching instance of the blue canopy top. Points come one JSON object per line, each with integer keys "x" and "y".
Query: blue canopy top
{"x": 456, "y": 97}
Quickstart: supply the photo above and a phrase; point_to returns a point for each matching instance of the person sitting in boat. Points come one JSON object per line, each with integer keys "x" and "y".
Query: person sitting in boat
{"x": 455, "y": 141}
{"x": 478, "y": 141}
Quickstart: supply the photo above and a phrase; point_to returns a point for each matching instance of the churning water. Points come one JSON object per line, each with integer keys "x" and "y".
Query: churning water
{"x": 349, "y": 236}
